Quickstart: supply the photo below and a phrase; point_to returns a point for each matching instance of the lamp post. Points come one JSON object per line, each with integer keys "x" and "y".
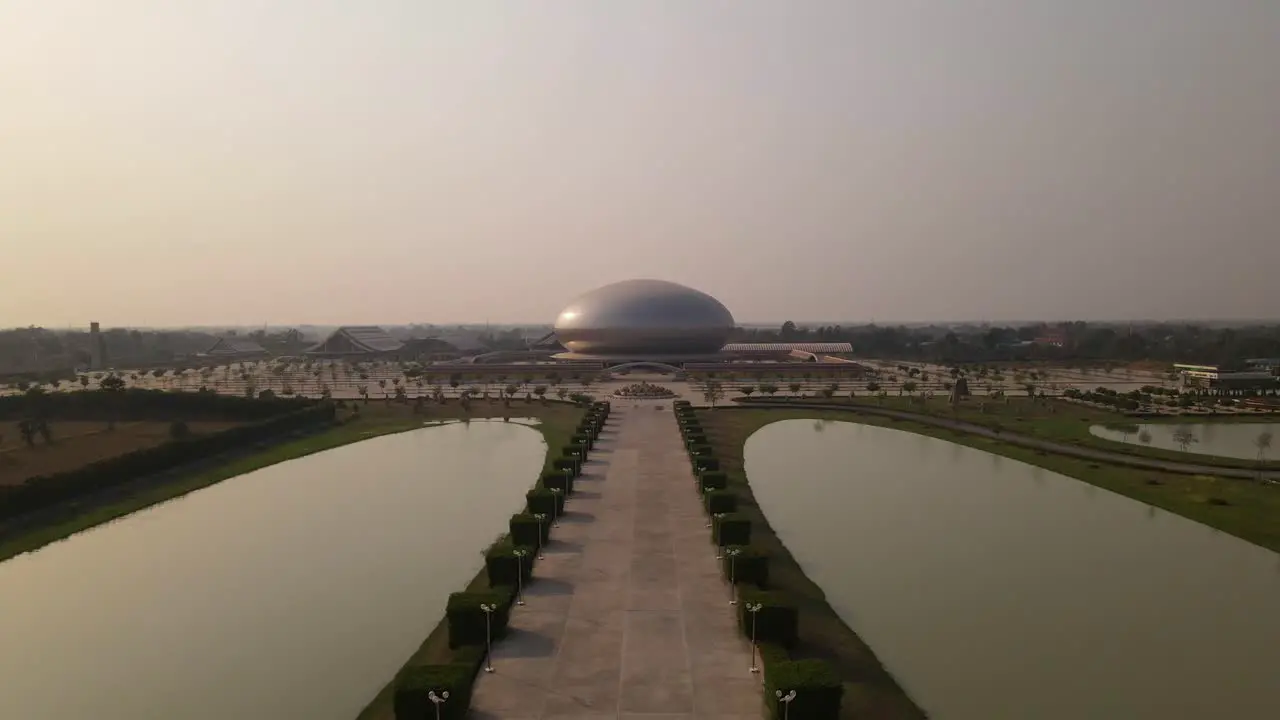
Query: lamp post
{"x": 488, "y": 635}
{"x": 753, "y": 608}
{"x": 520, "y": 553}
{"x": 715, "y": 533}
{"x": 555, "y": 506}
{"x": 568, "y": 478}
{"x": 437, "y": 700}
{"x": 540, "y": 517}
{"x": 732, "y": 553}
{"x": 786, "y": 702}
{"x": 706, "y": 497}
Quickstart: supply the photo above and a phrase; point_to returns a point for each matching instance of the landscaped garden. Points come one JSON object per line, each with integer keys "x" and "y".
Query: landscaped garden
{"x": 644, "y": 391}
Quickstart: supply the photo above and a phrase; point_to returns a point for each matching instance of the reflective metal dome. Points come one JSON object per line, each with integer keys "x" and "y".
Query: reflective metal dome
{"x": 644, "y": 317}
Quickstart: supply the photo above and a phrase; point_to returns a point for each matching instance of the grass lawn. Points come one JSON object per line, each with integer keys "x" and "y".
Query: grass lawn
{"x": 376, "y": 418}
{"x": 1064, "y": 422}
{"x": 871, "y": 693}
{"x": 76, "y": 444}
{"x": 558, "y": 423}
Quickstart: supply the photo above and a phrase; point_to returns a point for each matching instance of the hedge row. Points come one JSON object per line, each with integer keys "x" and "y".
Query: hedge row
{"x": 43, "y": 491}
{"x": 509, "y": 563}
{"x": 776, "y": 621}
{"x": 137, "y": 404}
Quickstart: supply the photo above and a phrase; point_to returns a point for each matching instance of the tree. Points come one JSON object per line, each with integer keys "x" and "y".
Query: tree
{"x": 84, "y": 382}
{"x": 1184, "y": 437}
{"x": 769, "y": 389}
{"x": 363, "y": 390}
{"x": 713, "y": 393}
{"x": 562, "y": 392}
{"x": 1263, "y": 443}
{"x": 794, "y": 388}
{"x": 541, "y": 392}
{"x": 1144, "y": 437}
{"x": 827, "y": 392}
{"x": 178, "y": 430}
{"x": 873, "y": 386}
{"x": 27, "y": 429}
{"x": 909, "y": 387}
{"x": 746, "y": 390}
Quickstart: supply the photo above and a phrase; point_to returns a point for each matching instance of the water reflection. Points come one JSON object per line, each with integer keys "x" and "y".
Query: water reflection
{"x": 1224, "y": 439}
{"x": 295, "y": 591}
{"x": 990, "y": 593}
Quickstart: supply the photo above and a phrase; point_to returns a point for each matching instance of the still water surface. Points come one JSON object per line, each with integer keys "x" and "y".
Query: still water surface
{"x": 993, "y": 589}
{"x": 296, "y": 591}
{"x": 1234, "y": 440}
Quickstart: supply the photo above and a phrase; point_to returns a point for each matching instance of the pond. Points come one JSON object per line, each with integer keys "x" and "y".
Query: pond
{"x": 995, "y": 589}
{"x": 296, "y": 591}
{"x": 1226, "y": 439}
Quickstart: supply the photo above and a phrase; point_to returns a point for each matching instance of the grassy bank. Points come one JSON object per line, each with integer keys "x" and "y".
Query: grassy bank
{"x": 1064, "y": 422}
{"x": 1243, "y": 508}
{"x": 871, "y": 693}
{"x": 558, "y": 424}
{"x": 375, "y": 418}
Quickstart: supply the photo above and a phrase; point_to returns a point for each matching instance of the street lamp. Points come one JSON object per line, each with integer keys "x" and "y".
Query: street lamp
{"x": 786, "y": 702}
{"x": 520, "y": 553}
{"x": 488, "y": 635}
{"x": 540, "y": 517}
{"x": 732, "y": 553}
{"x": 437, "y": 700}
{"x": 706, "y": 495}
{"x": 753, "y": 608}
{"x": 555, "y": 506}
{"x": 715, "y": 533}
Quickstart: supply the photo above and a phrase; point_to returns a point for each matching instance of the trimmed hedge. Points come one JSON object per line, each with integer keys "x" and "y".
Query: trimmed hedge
{"x": 574, "y": 451}
{"x": 732, "y": 529}
{"x": 721, "y": 501}
{"x": 414, "y": 685}
{"x": 714, "y": 479}
{"x": 467, "y": 620}
{"x": 694, "y": 440}
{"x": 706, "y": 462}
{"x": 700, "y": 451}
{"x": 573, "y": 465}
{"x": 524, "y": 529}
{"x": 778, "y": 621}
{"x": 583, "y": 439}
{"x": 751, "y": 565}
{"x": 501, "y": 563}
{"x": 817, "y": 686}
{"x": 542, "y": 500}
{"x": 554, "y": 479}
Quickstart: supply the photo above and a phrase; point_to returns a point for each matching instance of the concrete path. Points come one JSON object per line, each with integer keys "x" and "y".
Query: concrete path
{"x": 628, "y": 616}
{"x": 1013, "y": 438}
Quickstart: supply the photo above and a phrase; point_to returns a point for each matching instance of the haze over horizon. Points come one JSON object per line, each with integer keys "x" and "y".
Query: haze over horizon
{"x": 234, "y": 163}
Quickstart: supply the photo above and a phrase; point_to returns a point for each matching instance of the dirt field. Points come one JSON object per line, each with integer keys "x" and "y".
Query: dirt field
{"x": 80, "y": 443}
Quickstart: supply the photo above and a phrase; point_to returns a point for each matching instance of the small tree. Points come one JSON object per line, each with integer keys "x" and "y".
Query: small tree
{"x": 178, "y": 430}
{"x": 713, "y": 393}
{"x": 1263, "y": 443}
{"x": 794, "y": 388}
{"x": 769, "y": 389}
{"x": 363, "y": 391}
{"x": 909, "y": 387}
{"x": 541, "y": 392}
{"x": 1184, "y": 437}
{"x": 562, "y": 392}
{"x": 746, "y": 390}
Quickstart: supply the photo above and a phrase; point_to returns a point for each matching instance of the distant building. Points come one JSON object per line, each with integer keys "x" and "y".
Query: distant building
{"x": 236, "y": 348}
{"x": 1221, "y": 380}
{"x": 357, "y": 341}
{"x": 97, "y": 348}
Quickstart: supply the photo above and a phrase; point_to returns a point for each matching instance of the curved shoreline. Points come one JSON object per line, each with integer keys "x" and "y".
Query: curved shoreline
{"x": 1113, "y": 457}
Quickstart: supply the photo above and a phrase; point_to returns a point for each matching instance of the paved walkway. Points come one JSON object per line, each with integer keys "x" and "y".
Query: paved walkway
{"x": 1013, "y": 438}
{"x": 628, "y": 617}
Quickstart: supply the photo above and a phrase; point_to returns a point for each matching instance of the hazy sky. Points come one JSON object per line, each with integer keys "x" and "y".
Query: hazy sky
{"x": 240, "y": 161}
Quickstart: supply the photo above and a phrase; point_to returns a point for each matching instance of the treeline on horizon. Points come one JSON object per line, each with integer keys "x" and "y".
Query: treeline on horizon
{"x": 1066, "y": 342}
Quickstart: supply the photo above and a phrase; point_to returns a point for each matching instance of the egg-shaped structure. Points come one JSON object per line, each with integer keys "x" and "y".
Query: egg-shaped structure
{"x": 644, "y": 318}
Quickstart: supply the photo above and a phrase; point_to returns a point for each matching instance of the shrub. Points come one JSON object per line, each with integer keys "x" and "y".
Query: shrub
{"x": 706, "y": 462}
{"x": 751, "y": 566}
{"x": 178, "y": 430}
{"x": 567, "y": 463}
{"x": 501, "y": 563}
{"x": 778, "y": 621}
{"x": 694, "y": 440}
{"x": 575, "y": 450}
{"x": 732, "y": 529}
{"x": 582, "y": 440}
{"x": 700, "y": 451}
{"x": 542, "y": 500}
{"x": 714, "y": 479}
{"x": 467, "y": 621}
{"x": 557, "y": 480}
{"x": 524, "y": 529}
{"x": 415, "y": 683}
{"x": 817, "y": 686}
{"x": 721, "y": 501}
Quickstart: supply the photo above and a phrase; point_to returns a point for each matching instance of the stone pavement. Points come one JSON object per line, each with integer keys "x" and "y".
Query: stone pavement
{"x": 628, "y": 616}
